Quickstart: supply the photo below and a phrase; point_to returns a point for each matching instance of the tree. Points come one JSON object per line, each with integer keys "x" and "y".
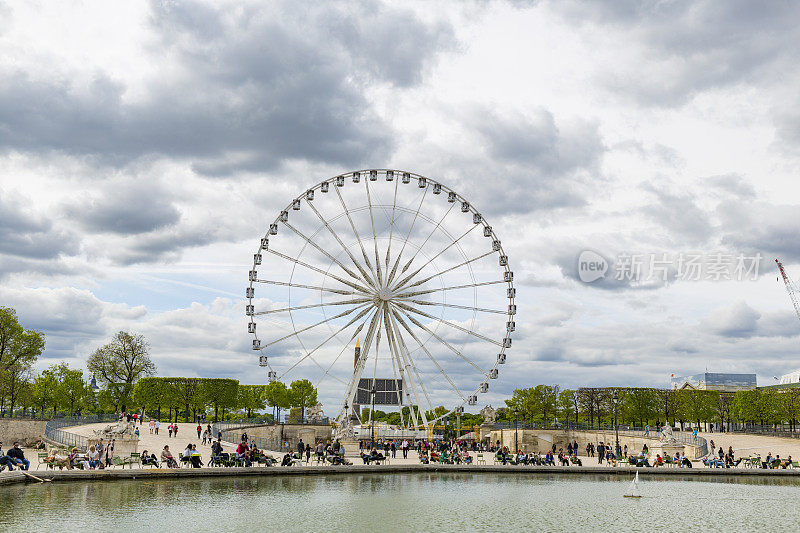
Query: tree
{"x": 523, "y": 403}
{"x": 698, "y": 405}
{"x": 151, "y": 393}
{"x": 251, "y": 398}
{"x": 220, "y": 393}
{"x": 639, "y": 405}
{"x": 277, "y": 396}
{"x": 19, "y": 349}
{"x": 124, "y": 360}
{"x": 72, "y": 391}
{"x": 44, "y": 390}
{"x": 568, "y": 404}
{"x": 546, "y": 398}
{"x": 302, "y": 394}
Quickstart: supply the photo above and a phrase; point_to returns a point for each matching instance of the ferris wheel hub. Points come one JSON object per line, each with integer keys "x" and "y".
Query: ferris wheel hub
{"x": 385, "y": 294}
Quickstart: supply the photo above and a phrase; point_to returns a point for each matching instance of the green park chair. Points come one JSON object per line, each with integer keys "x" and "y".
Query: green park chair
{"x": 41, "y": 457}
{"x": 480, "y": 460}
{"x": 135, "y": 457}
{"x": 116, "y": 461}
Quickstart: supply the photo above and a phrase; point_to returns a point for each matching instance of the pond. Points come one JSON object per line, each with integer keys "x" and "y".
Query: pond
{"x": 405, "y": 502}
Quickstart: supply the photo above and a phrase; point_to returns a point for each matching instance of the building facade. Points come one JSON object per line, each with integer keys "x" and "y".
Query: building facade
{"x": 715, "y": 381}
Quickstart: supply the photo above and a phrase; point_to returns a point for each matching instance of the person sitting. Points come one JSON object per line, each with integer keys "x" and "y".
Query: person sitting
{"x": 423, "y": 457}
{"x": 287, "y": 460}
{"x": 74, "y": 462}
{"x": 149, "y": 459}
{"x": 685, "y": 462}
{"x": 5, "y": 461}
{"x": 576, "y": 460}
{"x": 18, "y": 457}
{"x": 195, "y": 457}
{"x": 659, "y": 460}
{"x": 549, "y": 459}
{"x": 466, "y": 458}
{"x": 166, "y": 457}
{"x": 562, "y": 460}
{"x": 376, "y": 456}
{"x": 242, "y": 453}
{"x": 94, "y": 457}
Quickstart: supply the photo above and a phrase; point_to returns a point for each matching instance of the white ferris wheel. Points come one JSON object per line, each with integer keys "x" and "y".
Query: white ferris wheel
{"x": 399, "y": 265}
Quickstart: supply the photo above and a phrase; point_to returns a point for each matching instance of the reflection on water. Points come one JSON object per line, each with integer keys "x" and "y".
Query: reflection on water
{"x": 407, "y": 502}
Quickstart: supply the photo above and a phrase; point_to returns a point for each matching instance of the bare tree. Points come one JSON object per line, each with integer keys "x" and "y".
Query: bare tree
{"x": 123, "y": 360}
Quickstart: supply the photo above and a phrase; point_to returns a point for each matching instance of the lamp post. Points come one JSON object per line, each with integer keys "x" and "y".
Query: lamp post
{"x": 516, "y": 432}
{"x": 615, "y": 399}
{"x": 372, "y": 416}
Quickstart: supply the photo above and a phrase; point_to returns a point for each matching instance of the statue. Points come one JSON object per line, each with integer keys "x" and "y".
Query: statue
{"x": 489, "y": 415}
{"x": 667, "y": 436}
{"x": 314, "y": 414}
{"x": 344, "y": 431}
{"x": 119, "y": 430}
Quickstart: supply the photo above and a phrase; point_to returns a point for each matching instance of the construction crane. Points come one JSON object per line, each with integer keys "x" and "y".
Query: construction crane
{"x": 791, "y": 288}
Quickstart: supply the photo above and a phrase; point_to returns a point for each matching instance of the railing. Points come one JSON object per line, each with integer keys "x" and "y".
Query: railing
{"x": 53, "y": 431}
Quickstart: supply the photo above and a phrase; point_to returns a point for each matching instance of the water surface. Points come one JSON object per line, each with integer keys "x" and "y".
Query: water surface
{"x": 405, "y": 502}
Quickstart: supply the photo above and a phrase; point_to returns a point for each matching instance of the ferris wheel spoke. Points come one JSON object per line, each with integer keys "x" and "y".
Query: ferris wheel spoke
{"x": 311, "y": 287}
{"x": 312, "y": 306}
{"x": 366, "y": 277}
{"x": 429, "y": 261}
{"x": 325, "y": 253}
{"x": 432, "y": 232}
{"x": 408, "y": 234}
{"x": 447, "y": 344}
{"x": 408, "y": 364}
{"x": 320, "y": 345}
{"x": 391, "y": 230}
{"x": 397, "y": 318}
{"x": 375, "y": 283}
{"x": 359, "y": 288}
{"x": 455, "y": 326}
{"x": 445, "y": 271}
{"x": 374, "y": 236}
{"x": 451, "y": 288}
{"x": 294, "y": 334}
{"x": 454, "y": 306}
{"x": 330, "y": 367}
{"x": 360, "y": 363}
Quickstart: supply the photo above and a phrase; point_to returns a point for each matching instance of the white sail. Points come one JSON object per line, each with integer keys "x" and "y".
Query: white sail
{"x": 633, "y": 490}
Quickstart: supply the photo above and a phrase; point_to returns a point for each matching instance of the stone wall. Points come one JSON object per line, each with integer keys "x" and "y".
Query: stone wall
{"x": 291, "y": 432}
{"x": 27, "y": 432}
{"x": 541, "y": 440}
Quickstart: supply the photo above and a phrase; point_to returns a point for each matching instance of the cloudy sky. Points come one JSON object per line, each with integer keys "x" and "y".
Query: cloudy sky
{"x": 145, "y": 148}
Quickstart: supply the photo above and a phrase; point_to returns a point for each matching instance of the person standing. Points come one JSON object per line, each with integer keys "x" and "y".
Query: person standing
{"x": 175, "y": 430}
{"x": 308, "y": 453}
{"x": 199, "y": 430}
{"x": 170, "y": 429}
{"x": 301, "y": 448}
{"x": 600, "y": 453}
{"x": 157, "y": 425}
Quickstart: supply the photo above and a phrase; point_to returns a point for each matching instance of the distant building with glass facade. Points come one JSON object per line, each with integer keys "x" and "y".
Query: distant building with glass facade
{"x": 715, "y": 381}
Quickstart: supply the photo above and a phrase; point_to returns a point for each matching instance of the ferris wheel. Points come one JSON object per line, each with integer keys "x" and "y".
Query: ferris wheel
{"x": 383, "y": 287}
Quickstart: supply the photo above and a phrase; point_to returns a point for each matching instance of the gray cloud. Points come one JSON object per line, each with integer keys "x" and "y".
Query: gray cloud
{"x": 736, "y": 320}
{"x": 690, "y": 47}
{"x": 277, "y": 85}
{"x": 30, "y": 235}
{"x": 126, "y": 209}
{"x": 678, "y": 214}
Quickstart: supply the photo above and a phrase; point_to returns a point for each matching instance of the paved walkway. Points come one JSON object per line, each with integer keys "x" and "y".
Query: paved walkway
{"x": 743, "y": 445}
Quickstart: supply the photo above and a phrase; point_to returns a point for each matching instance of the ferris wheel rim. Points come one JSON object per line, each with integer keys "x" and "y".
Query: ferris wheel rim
{"x": 393, "y": 316}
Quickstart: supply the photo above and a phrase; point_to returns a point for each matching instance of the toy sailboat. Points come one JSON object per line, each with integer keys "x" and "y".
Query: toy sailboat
{"x": 633, "y": 490}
